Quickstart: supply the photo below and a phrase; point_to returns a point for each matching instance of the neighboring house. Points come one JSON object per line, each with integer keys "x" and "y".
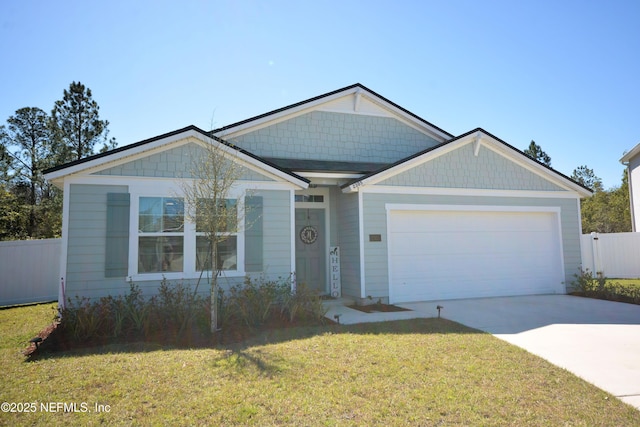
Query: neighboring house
{"x": 632, "y": 161}
{"x": 356, "y": 195}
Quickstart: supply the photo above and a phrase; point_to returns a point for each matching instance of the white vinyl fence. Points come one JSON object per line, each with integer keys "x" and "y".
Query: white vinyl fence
{"x": 616, "y": 255}
{"x": 29, "y": 271}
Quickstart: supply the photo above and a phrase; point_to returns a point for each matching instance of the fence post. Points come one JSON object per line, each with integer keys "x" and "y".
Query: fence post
{"x": 595, "y": 252}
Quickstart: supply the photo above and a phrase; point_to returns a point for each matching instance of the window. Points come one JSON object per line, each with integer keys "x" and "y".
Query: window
{"x": 309, "y": 198}
{"x": 161, "y": 234}
{"x": 224, "y": 219}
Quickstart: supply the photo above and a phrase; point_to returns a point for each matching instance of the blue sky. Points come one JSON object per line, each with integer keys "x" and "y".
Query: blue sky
{"x": 563, "y": 73}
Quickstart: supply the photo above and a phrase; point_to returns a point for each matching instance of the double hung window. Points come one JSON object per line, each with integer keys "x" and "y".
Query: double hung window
{"x": 168, "y": 242}
{"x": 161, "y": 235}
{"x": 216, "y": 235}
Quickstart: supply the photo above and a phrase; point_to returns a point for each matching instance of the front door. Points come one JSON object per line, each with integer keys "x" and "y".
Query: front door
{"x": 311, "y": 266}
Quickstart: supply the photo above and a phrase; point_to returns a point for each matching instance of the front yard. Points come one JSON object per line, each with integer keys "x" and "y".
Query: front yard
{"x": 418, "y": 372}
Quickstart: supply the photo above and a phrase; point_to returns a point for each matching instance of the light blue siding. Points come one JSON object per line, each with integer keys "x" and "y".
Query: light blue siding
{"x": 173, "y": 163}
{"x": 85, "y": 276}
{"x": 337, "y": 136}
{"x": 347, "y": 226}
{"x": 462, "y": 169}
{"x": 277, "y": 232}
{"x": 375, "y": 222}
{"x": 87, "y": 234}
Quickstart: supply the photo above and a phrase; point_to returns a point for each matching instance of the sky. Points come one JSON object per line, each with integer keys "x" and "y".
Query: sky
{"x": 563, "y": 73}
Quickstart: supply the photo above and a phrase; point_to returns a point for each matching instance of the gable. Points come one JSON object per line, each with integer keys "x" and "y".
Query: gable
{"x": 175, "y": 162}
{"x": 335, "y": 136}
{"x": 461, "y": 168}
{"x": 166, "y": 156}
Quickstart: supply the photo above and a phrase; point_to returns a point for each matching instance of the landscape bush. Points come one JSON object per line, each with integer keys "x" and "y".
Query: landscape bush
{"x": 258, "y": 300}
{"x": 180, "y": 315}
{"x": 588, "y": 285}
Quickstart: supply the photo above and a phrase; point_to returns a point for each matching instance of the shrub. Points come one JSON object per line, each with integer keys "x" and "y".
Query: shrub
{"x": 257, "y": 300}
{"x": 603, "y": 288}
{"x": 175, "y": 312}
{"x": 585, "y": 282}
{"x": 253, "y": 302}
{"x": 178, "y": 312}
{"x": 304, "y": 303}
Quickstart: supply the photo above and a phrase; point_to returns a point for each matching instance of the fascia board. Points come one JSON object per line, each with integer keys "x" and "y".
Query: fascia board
{"x": 280, "y": 116}
{"x": 482, "y": 139}
{"x": 631, "y": 154}
{"x": 113, "y": 159}
{"x": 189, "y": 136}
{"x": 409, "y": 164}
{"x": 534, "y": 167}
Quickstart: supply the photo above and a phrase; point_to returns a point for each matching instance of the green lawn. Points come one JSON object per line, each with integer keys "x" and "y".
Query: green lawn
{"x": 419, "y": 372}
{"x": 625, "y": 282}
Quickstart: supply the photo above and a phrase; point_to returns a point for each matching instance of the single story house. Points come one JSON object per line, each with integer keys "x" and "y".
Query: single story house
{"x": 632, "y": 160}
{"x": 354, "y": 194}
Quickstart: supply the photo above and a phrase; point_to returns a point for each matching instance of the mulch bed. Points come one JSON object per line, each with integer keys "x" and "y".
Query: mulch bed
{"x": 615, "y": 298}
{"x": 378, "y": 308}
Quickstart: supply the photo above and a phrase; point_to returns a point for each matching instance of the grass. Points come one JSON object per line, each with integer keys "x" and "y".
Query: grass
{"x": 419, "y": 372}
{"x": 633, "y": 283}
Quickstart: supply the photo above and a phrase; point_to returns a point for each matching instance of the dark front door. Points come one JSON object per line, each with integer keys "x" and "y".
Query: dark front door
{"x": 311, "y": 268}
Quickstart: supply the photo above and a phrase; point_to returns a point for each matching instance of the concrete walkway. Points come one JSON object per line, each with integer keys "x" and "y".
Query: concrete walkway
{"x": 596, "y": 340}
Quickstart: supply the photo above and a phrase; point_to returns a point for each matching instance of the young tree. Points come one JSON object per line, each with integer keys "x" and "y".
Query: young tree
{"x": 215, "y": 208}
{"x": 535, "y": 152}
{"x": 587, "y": 177}
{"x": 607, "y": 211}
{"x": 27, "y": 132}
{"x": 76, "y": 122}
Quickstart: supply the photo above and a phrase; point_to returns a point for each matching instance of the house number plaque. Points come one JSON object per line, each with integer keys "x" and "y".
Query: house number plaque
{"x": 308, "y": 234}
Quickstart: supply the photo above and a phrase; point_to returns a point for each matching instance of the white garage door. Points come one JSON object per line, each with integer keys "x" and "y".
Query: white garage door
{"x": 448, "y": 254}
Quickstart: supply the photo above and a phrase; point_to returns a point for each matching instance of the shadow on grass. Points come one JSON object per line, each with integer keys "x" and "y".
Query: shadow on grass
{"x": 239, "y": 348}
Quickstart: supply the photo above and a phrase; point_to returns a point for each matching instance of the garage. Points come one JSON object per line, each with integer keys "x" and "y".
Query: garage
{"x": 451, "y": 252}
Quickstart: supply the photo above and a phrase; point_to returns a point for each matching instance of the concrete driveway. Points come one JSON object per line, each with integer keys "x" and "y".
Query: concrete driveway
{"x": 596, "y": 340}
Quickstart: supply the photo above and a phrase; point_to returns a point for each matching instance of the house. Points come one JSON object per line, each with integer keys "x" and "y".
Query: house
{"x": 354, "y": 194}
{"x": 632, "y": 160}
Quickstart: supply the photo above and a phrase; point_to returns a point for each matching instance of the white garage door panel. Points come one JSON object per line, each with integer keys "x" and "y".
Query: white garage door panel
{"x": 463, "y": 254}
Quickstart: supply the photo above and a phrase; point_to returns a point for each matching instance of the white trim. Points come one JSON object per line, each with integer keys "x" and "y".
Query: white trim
{"x": 104, "y": 162}
{"x": 478, "y": 192}
{"x": 363, "y": 290}
{"x": 292, "y": 227}
{"x": 476, "y": 144}
{"x": 155, "y": 181}
{"x": 163, "y": 144}
{"x": 64, "y": 247}
{"x": 356, "y": 101}
{"x": 487, "y": 142}
{"x": 189, "y": 271}
{"x": 580, "y": 230}
{"x": 389, "y": 263}
{"x": 630, "y": 154}
{"x": 328, "y": 175}
{"x": 469, "y": 208}
{"x": 317, "y": 105}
